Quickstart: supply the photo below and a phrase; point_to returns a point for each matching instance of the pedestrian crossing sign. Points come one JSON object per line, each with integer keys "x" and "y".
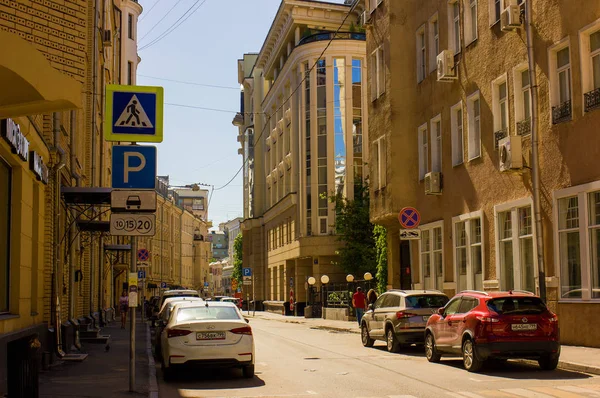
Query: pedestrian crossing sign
{"x": 133, "y": 113}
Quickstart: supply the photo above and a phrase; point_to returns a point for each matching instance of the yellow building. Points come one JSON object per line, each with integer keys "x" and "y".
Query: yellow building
{"x": 451, "y": 89}
{"x": 301, "y": 130}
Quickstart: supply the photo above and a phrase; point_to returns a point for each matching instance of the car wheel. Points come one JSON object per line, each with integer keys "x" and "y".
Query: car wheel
{"x": 548, "y": 362}
{"x": 367, "y": 341}
{"x": 392, "y": 343}
{"x": 470, "y": 360}
{"x": 430, "y": 350}
{"x": 167, "y": 373}
{"x": 248, "y": 371}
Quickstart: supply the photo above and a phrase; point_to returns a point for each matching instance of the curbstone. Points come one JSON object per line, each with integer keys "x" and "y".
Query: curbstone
{"x": 152, "y": 383}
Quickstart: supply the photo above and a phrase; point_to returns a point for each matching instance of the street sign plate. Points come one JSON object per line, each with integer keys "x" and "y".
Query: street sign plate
{"x": 132, "y": 200}
{"x": 409, "y": 217}
{"x": 410, "y": 234}
{"x": 133, "y": 289}
{"x": 247, "y": 271}
{"x": 163, "y": 285}
{"x": 143, "y": 265}
{"x": 133, "y": 167}
{"x": 248, "y": 282}
{"x": 143, "y": 254}
{"x": 132, "y": 224}
{"x": 134, "y": 113}
{"x": 141, "y": 274}
{"x": 247, "y": 278}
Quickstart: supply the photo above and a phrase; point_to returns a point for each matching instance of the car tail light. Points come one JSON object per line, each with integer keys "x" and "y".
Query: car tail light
{"x": 403, "y": 314}
{"x": 488, "y": 319}
{"x": 177, "y": 333}
{"x": 243, "y": 330}
{"x": 553, "y": 318}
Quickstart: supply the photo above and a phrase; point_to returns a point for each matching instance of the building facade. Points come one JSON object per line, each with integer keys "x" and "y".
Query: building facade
{"x": 218, "y": 240}
{"x": 450, "y": 133}
{"x": 301, "y": 127}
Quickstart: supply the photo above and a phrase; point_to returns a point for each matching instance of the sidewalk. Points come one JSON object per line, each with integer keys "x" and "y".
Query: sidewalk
{"x": 579, "y": 359}
{"x": 103, "y": 374}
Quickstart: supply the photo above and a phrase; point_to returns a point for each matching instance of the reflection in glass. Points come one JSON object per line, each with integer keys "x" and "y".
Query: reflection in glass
{"x": 339, "y": 117}
{"x": 357, "y": 138}
{"x": 322, "y": 137}
{"x": 307, "y": 135}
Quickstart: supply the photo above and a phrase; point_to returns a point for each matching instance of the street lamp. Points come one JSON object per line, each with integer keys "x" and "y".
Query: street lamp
{"x": 349, "y": 278}
{"x": 311, "y": 285}
{"x": 324, "y": 281}
{"x": 368, "y": 276}
{"x": 312, "y": 281}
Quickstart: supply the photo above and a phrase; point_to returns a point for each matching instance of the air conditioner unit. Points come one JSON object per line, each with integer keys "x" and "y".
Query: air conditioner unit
{"x": 433, "y": 183}
{"x": 366, "y": 18}
{"x": 511, "y": 153}
{"x": 107, "y": 38}
{"x": 510, "y": 19}
{"x": 446, "y": 70}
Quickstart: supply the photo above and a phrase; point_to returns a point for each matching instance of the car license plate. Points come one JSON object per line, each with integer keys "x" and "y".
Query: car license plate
{"x": 426, "y": 318}
{"x": 523, "y": 326}
{"x": 210, "y": 336}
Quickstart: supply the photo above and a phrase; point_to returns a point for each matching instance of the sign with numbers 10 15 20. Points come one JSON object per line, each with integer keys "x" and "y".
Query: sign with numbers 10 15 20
{"x": 132, "y": 224}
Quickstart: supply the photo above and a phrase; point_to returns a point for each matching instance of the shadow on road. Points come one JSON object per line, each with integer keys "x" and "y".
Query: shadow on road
{"x": 212, "y": 379}
{"x": 411, "y": 351}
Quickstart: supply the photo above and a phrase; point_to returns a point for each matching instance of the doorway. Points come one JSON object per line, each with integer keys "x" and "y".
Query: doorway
{"x": 405, "y": 266}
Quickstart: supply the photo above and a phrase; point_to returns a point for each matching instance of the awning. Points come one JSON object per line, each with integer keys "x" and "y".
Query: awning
{"x": 93, "y": 226}
{"x": 30, "y": 85}
{"x": 86, "y": 196}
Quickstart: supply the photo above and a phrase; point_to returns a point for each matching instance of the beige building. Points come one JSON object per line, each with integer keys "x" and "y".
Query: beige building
{"x": 450, "y": 89}
{"x": 301, "y": 129}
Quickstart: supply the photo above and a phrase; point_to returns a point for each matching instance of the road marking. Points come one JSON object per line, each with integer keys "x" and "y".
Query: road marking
{"x": 470, "y": 394}
{"x": 521, "y": 392}
{"x": 555, "y": 393}
{"x": 477, "y": 380}
{"x": 495, "y": 394}
{"x": 580, "y": 390}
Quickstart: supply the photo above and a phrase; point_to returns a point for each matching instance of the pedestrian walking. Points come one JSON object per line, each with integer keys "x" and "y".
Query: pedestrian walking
{"x": 359, "y": 302}
{"x": 123, "y": 307}
{"x": 371, "y": 297}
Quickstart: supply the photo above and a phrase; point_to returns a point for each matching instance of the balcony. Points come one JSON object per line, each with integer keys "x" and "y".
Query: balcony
{"x": 498, "y": 135}
{"x": 592, "y": 100}
{"x": 332, "y": 36}
{"x": 562, "y": 112}
{"x": 524, "y": 127}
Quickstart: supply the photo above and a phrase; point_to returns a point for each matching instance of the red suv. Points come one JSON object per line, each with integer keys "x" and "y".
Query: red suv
{"x": 496, "y": 325}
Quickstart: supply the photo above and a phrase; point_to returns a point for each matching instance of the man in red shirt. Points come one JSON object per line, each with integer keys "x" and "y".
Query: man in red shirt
{"x": 359, "y": 302}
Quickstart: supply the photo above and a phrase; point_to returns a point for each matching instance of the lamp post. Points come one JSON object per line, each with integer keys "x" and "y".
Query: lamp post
{"x": 311, "y": 285}
{"x": 324, "y": 282}
{"x": 368, "y": 277}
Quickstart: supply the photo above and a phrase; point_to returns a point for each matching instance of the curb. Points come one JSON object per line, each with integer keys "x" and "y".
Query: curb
{"x": 152, "y": 383}
{"x": 578, "y": 367}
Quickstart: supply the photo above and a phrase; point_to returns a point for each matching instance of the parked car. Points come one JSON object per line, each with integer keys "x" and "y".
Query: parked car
{"x": 235, "y": 300}
{"x": 163, "y": 317}
{"x": 213, "y": 334}
{"x": 479, "y": 326}
{"x": 398, "y": 317}
{"x": 175, "y": 293}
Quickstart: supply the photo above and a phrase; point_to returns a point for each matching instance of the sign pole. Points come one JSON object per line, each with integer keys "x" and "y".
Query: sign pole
{"x": 132, "y": 322}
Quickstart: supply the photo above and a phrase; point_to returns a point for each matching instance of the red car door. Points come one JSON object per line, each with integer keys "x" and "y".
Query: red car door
{"x": 441, "y": 332}
{"x": 457, "y": 323}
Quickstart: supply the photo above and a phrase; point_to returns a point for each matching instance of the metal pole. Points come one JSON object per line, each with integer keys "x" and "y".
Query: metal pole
{"x": 132, "y": 324}
{"x": 535, "y": 160}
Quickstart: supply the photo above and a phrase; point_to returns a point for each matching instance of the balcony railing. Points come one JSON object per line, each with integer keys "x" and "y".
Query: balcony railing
{"x": 498, "y": 135}
{"x": 332, "y": 36}
{"x": 524, "y": 127}
{"x": 562, "y": 112}
{"x": 592, "y": 100}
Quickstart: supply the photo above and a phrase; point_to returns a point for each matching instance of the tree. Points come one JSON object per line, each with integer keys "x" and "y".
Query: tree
{"x": 237, "y": 259}
{"x": 380, "y": 234}
{"x": 357, "y": 255}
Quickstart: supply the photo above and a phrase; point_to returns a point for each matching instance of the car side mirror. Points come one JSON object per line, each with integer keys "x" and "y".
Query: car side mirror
{"x": 247, "y": 320}
{"x": 440, "y": 311}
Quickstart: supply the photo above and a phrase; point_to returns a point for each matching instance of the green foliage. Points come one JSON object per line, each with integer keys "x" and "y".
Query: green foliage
{"x": 380, "y": 234}
{"x": 237, "y": 258}
{"x": 354, "y": 229}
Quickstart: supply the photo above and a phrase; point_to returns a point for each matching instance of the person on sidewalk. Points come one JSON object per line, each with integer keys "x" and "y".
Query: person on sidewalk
{"x": 359, "y": 302}
{"x": 371, "y": 297}
{"x": 123, "y": 307}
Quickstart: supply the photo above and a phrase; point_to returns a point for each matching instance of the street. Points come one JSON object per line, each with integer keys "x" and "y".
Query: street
{"x": 297, "y": 360}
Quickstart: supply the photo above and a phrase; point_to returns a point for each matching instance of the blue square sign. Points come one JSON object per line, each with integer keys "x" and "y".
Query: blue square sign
{"x": 246, "y": 271}
{"x": 134, "y": 167}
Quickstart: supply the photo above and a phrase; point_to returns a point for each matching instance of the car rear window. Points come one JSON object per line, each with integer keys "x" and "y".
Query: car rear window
{"x": 203, "y": 313}
{"x": 426, "y": 301}
{"x": 516, "y": 305}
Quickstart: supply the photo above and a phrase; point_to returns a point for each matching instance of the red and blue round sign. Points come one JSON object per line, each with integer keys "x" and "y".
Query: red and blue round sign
{"x": 409, "y": 217}
{"x": 143, "y": 255}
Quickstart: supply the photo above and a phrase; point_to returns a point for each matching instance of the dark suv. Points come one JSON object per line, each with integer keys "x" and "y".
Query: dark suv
{"x": 498, "y": 325}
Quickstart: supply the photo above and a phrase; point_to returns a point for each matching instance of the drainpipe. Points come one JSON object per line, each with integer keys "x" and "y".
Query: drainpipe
{"x": 101, "y": 257}
{"x": 93, "y": 144}
{"x": 57, "y": 167}
{"x": 180, "y": 249}
{"x": 77, "y": 178}
{"x": 535, "y": 160}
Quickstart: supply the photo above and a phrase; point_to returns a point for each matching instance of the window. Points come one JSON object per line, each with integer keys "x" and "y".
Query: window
{"x": 578, "y": 241}
{"x": 373, "y": 4}
{"x": 468, "y": 250}
{"x": 423, "y": 151}
{"x": 515, "y": 255}
{"x": 436, "y": 144}
{"x": 473, "y": 110}
{"x": 380, "y": 162}
{"x": 339, "y": 130}
{"x": 5, "y": 213}
{"x": 456, "y": 121}
{"x": 434, "y": 42}
{"x": 421, "y": 48}
{"x": 560, "y": 82}
{"x": 500, "y": 108}
{"x": 454, "y": 26}
{"x": 129, "y": 72}
{"x": 357, "y": 124}
{"x": 322, "y": 149}
{"x": 496, "y": 8}
{"x": 307, "y": 133}
{"x": 470, "y": 21}
{"x": 130, "y": 29}
{"x": 432, "y": 259}
{"x": 522, "y": 100}
{"x": 590, "y": 65}
{"x": 377, "y": 74}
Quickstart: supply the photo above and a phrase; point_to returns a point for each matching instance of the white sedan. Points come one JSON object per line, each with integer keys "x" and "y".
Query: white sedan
{"x": 208, "y": 334}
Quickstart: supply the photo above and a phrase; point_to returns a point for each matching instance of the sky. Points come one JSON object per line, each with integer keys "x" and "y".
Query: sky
{"x": 204, "y": 40}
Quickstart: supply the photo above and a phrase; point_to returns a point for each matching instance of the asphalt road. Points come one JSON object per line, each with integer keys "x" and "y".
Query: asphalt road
{"x": 295, "y": 360}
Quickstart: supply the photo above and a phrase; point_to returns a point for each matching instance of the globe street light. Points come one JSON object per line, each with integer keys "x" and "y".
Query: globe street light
{"x": 324, "y": 279}
{"x": 368, "y": 276}
{"x": 311, "y": 280}
{"x": 349, "y": 278}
